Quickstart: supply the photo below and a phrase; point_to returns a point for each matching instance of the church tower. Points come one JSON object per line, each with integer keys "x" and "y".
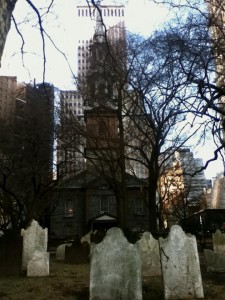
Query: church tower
{"x": 100, "y": 112}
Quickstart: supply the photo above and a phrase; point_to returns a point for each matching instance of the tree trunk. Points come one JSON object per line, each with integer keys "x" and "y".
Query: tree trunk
{"x": 152, "y": 205}
{"x": 122, "y": 179}
{"x": 6, "y": 10}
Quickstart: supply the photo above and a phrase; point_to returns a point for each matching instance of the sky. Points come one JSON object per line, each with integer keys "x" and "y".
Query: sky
{"x": 141, "y": 17}
{"x": 62, "y": 28}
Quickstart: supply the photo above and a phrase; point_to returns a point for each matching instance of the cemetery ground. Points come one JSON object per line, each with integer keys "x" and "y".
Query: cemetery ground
{"x": 67, "y": 281}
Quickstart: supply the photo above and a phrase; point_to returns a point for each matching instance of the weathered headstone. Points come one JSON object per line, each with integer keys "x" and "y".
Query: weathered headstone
{"x": 60, "y": 252}
{"x": 77, "y": 253}
{"x": 86, "y": 238}
{"x": 215, "y": 261}
{"x": 180, "y": 266}
{"x": 39, "y": 264}
{"x": 218, "y": 241}
{"x": 115, "y": 269}
{"x": 150, "y": 258}
{"x": 34, "y": 238}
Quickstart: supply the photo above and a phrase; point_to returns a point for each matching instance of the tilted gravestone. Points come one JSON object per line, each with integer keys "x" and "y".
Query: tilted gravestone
{"x": 215, "y": 261}
{"x": 115, "y": 268}
{"x": 39, "y": 264}
{"x": 60, "y": 252}
{"x": 218, "y": 241}
{"x": 34, "y": 238}
{"x": 150, "y": 258}
{"x": 180, "y": 266}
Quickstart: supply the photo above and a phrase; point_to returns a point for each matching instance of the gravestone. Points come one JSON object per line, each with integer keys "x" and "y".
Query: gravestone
{"x": 86, "y": 238}
{"x": 115, "y": 268}
{"x": 60, "y": 252}
{"x": 34, "y": 238}
{"x": 10, "y": 254}
{"x": 218, "y": 241}
{"x": 215, "y": 261}
{"x": 97, "y": 236}
{"x": 150, "y": 258}
{"x": 39, "y": 264}
{"x": 180, "y": 266}
{"x": 77, "y": 253}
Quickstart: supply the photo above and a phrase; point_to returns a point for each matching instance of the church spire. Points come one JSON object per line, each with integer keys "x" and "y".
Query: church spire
{"x": 99, "y": 35}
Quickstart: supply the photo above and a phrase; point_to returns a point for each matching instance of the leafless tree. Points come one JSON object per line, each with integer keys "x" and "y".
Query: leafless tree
{"x": 159, "y": 108}
{"x": 148, "y": 100}
{"x": 197, "y": 31}
{"x": 180, "y": 195}
{"x": 165, "y": 95}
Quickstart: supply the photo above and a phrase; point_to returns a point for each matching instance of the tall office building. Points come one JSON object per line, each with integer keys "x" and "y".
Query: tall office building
{"x": 181, "y": 192}
{"x": 8, "y": 89}
{"x": 111, "y": 23}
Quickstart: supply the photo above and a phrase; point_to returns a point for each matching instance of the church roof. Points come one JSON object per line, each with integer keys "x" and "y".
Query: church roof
{"x": 87, "y": 179}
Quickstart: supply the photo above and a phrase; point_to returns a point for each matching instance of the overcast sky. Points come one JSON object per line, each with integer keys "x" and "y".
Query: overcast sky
{"x": 141, "y": 16}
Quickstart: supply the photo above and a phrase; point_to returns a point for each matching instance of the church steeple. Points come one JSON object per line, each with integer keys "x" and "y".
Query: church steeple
{"x": 99, "y": 35}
